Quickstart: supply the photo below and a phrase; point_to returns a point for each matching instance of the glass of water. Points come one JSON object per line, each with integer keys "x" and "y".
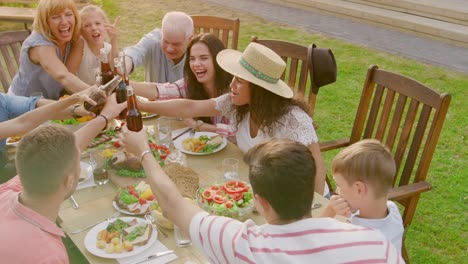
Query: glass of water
{"x": 231, "y": 169}
{"x": 182, "y": 239}
{"x": 164, "y": 132}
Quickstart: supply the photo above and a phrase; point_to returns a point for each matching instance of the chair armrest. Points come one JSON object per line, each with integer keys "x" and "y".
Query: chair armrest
{"x": 334, "y": 144}
{"x": 403, "y": 192}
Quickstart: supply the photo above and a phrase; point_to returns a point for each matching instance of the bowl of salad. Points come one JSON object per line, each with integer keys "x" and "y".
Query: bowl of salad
{"x": 232, "y": 199}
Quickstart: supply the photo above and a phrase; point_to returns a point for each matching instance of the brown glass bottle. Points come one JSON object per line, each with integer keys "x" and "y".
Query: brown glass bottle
{"x": 134, "y": 118}
{"x": 98, "y": 98}
{"x": 106, "y": 71}
{"x": 121, "y": 91}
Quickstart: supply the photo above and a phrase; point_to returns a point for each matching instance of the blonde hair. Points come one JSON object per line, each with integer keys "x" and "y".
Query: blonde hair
{"x": 48, "y": 8}
{"x": 368, "y": 161}
{"x": 88, "y": 9}
{"x": 177, "y": 22}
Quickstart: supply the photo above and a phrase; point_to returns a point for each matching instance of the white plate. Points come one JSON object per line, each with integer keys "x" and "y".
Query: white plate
{"x": 148, "y": 115}
{"x": 91, "y": 240}
{"x": 86, "y": 172}
{"x": 123, "y": 211}
{"x": 12, "y": 143}
{"x": 178, "y": 143}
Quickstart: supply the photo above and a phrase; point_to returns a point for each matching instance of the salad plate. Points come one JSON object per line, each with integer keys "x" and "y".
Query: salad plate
{"x": 90, "y": 240}
{"x": 182, "y": 143}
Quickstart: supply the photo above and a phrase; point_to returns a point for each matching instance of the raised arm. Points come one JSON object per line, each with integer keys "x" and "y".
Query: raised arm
{"x": 47, "y": 109}
{"x": 76, "y": 54}
{"x": 174, "y": 206}
{"x": 46, "y": 56}
{"x": 93, "y": 127}
{"x": 181, "y": 108}
{"x": 112, "y": 33}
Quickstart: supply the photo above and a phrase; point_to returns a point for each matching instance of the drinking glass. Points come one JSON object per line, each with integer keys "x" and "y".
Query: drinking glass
{"x": 182, "y": 239}
{"x": 231, "y": 169}
{"x": 99, "y": 163}
{"x": 164, "y": 132}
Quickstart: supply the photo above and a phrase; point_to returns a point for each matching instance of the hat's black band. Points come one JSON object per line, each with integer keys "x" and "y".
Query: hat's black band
{"x": 257, "y": 73}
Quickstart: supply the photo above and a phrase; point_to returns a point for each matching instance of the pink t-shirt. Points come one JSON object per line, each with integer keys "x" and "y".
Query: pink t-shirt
{"x": 25, "y": 235}
{"x": 312, "y": 240}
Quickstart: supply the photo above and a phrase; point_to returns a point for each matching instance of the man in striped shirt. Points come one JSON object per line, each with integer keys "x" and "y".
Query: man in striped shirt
{"x": 282, "y": 174}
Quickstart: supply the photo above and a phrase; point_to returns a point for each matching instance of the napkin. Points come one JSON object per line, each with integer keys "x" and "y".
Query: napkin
{"x": 156, "y": 247}
{"x": 87, "y": 170}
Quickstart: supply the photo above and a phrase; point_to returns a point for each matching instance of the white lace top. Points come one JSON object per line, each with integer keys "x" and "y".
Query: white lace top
{"x": 295, "y": 125}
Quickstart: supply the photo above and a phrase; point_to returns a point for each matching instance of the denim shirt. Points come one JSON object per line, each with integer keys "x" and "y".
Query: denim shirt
{"x": 32, "y": 78}
{"x": 158, "y": 68}
{"x": 12, "y": 107}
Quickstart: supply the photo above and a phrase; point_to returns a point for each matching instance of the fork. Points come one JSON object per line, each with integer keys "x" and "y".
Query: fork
{"x": 109, "y": 219}
{"x": 149, "y": 218}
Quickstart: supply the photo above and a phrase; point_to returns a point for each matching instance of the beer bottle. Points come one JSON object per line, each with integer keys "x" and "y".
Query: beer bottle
{"x": 106, "y": 71}
{"x": 121, "y": 91}
{"x": 98, "y": 98}
{"x": 134, "y": 118}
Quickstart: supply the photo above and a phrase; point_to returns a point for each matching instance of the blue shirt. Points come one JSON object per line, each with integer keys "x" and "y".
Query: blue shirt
{"x": 32, "y": 78}
{"x": 158, "y": 68}
{"x": 12, "y": 107}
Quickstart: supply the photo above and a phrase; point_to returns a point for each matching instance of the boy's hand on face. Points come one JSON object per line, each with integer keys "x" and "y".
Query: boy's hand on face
{"x": 340, "y": 206}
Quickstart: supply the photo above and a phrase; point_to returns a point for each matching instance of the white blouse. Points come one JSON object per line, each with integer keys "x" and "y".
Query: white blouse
{"x": 89, "y": 63}
{"x": 296, "y": 125}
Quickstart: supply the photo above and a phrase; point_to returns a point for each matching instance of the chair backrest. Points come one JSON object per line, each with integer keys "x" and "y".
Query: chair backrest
{"x": 10, "y": 47}
{"x": 297, "y": 70}
{"x": 407, "y": 116}
{"x": 223, "y": 28}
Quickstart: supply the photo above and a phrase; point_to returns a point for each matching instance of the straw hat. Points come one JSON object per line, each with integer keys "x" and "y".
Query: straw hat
{"x": 322, "y": 67}
{"x": 257, "y": 64}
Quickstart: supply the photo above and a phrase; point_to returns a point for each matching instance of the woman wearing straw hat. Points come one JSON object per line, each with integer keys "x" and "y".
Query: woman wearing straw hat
{"x": 261, "y": 105}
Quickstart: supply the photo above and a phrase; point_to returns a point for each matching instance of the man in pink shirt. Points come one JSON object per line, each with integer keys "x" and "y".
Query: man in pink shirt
{"x": 282, "y": 175}
{"x": 48, "y": 165}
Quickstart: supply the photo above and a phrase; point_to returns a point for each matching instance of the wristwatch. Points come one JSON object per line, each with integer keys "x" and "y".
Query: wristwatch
{"x": 199, "y": 124}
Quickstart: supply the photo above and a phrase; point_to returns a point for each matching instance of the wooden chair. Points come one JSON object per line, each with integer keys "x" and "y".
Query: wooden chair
{"x": 297, "y": 71}
{"x": 407, "y": 116}
{"x": 10, "y": 46}
{"x": 223, "y": 28}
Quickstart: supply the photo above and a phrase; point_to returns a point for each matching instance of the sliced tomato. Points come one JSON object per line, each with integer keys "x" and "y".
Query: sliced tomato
{"x": 116, "y": 144}
{"x": 207, "y": 195}
{"x": 219, "y": 199}
{"x": 142, "y": 201}
{"x": 214, "y": 188}
{"x": 164, "y": 152}
{"x": 237, "y": 196}
{"x": 229, "y": 204}
{"x": 235, "y": 186}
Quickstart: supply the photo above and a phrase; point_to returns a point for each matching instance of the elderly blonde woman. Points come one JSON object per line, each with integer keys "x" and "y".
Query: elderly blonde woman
{"x": 44, "y": 53}
{"x": 162, "y": 51}
{"x": 260, "y": 104}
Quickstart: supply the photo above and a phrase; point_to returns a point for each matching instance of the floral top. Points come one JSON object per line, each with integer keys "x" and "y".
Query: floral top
{"x": 296, "y": 125}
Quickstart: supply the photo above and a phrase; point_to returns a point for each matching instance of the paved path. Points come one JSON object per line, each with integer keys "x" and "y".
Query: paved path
{"x": 414, "y": 47}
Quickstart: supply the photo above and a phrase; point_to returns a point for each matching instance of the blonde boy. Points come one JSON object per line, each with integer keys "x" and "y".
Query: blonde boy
{"x": 364, "y": 173}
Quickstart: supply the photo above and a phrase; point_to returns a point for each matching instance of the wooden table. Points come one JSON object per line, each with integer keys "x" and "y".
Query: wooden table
{"x": 18, "y": 14}
{"x": 96, "y": 203}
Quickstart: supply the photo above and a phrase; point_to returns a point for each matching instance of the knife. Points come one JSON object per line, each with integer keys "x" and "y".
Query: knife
{"x": 157, "y": 255}
{"x": 185, "y": 131}
{"x": 74, "y": 203}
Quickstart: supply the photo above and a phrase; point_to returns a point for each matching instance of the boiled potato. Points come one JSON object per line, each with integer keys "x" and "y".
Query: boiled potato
{"x": 109, "y": 248}
{"x": 101, "y": 244}
{"x": 115, "y": 241}
{"x": 118, "y": 248}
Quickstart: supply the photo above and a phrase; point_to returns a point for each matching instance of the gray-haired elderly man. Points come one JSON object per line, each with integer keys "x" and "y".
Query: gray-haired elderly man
{"x": 162, "y": 51}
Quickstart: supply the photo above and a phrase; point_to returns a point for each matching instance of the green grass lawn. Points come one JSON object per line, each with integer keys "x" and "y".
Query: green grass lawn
{"x": 439, "y": 231}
